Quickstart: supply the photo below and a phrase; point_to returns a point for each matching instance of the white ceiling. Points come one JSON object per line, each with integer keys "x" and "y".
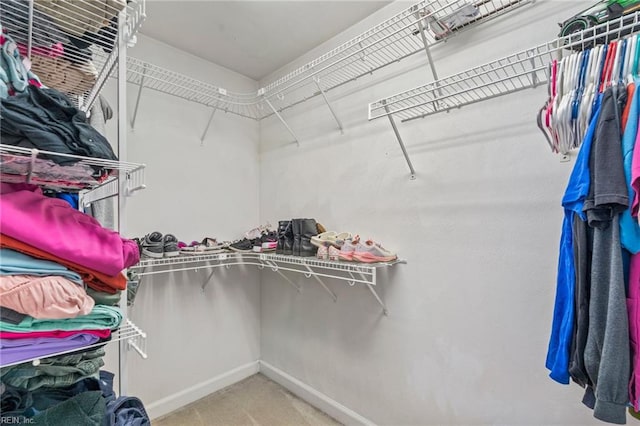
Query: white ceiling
{"x": 254, "y": 38}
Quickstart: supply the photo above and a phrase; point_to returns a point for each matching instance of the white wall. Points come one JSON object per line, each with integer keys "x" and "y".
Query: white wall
{"x": 193, "y": 190}
{"x": 469, "y": 315}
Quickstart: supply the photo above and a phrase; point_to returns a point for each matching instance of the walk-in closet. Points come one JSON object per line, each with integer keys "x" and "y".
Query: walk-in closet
{"x": 319, "y": 212}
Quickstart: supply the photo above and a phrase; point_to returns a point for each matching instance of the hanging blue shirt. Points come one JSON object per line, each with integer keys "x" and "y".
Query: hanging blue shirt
{"x": 563, "y": 313}
{"x": 629, "y": 228}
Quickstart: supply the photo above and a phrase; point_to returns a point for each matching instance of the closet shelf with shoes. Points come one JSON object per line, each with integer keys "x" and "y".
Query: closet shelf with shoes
{"x": 416, "y": 29}
{"x": 54, "y": 170}
{"x": 351, "y": 272}
{"x": 522, "y": 70}
{"x": 71, "y": 46}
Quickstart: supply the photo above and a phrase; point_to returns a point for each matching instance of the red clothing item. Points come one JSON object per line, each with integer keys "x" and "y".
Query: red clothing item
{"x": 94, "y": 279}
{"x": 103, "y": 334}
{"x": 631, "y": 88}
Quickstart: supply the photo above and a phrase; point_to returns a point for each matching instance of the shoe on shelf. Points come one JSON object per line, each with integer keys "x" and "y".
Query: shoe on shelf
{"x": 170, "y": 246}
{"x": 323, "y": 253}
{"x": 348, "y": 248}
{"x": 269, "y": 241}
{"x": 242, "y": 246}
{"x": 257, "y": 232}
{"x": 330, "y": 238}
{"x": 371, "y": 252}
{"x": 153, "y": 245}
{"x": 333, "y": 253}
{"x": 207, "y": 245}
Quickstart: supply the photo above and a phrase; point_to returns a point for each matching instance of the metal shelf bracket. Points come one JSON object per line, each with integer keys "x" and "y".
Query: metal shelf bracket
{"x": 135, "y": 109}
{"x": 333, "y": 112}
{"x": 311, "y": 273}
{"x": 206, "y": 129}
{"x": 275, "y": 268}
{"x": 275, "y": 111}
{"x": 404, "y": 150}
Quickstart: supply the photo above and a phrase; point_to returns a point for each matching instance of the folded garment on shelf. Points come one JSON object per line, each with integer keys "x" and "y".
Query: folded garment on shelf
{"x": 81, "y": 16}
{"x": 10, "y": 316}
{"x": 49, "y": 120}
{"x": 100, "y": 318}
{"x": 49, "y": 297}
{"x": 101, "y": 334}
{"x": 102, "y": 298}
{"x": 54, "y": 372}
{"x": 15, "y": 263}
{"x": 53, "y": 51}
{"x": 94, "y": 279}
{"x": 15, "y": 19}
{"x": 52, "y": 225}
{"x": 86, "y": 409}
{"x": 16, "y": 350}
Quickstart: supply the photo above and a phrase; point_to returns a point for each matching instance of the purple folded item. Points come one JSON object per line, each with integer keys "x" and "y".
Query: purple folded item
{"x": 16, "y": 350}
{"x": 52, "y": 225}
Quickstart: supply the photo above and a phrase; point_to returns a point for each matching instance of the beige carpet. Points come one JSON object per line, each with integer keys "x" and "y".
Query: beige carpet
{"x": 255, "y": 401}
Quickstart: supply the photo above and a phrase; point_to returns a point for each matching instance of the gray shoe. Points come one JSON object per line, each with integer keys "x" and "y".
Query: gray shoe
{"x": 153, "y": 245}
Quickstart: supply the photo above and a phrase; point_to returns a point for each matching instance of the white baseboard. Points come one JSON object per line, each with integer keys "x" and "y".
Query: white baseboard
{"x": 178, "y": 400}
{"x": 313, "y": 397}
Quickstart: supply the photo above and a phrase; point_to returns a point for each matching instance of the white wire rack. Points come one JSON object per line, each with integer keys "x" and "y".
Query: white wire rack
{"x": 420, "y": 26}
{"x": 415, "y": 29}
{"x": 509, "y": 74}
{"x": 129, "y": 332}
{"x": 18, "y": 165}
{"x": 72, "y": 44}
{"x": 350, "y": 272}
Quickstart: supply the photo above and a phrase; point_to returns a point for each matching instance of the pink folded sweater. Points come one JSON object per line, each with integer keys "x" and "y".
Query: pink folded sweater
{"x": 48, "y": 297}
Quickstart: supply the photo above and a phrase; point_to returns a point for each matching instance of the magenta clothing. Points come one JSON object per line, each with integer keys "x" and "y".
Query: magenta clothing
{"x": 635, "y": 177}
{"x": 633, "y": 309}
{"x": 52, "y": 225}
{"x": 103, "y": 334}
{"x": 53, "y": 51}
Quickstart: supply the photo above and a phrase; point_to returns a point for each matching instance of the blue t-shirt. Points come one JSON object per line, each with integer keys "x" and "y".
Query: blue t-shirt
{"x": 563, "y": 313}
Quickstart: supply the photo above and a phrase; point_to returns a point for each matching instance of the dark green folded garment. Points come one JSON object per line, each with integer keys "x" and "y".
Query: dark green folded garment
{"x": 102, "y": 298}
{"x": 84, "y": 409}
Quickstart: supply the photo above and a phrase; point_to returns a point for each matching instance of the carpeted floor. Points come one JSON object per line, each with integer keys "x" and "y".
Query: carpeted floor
{"x": 255, "y": 401}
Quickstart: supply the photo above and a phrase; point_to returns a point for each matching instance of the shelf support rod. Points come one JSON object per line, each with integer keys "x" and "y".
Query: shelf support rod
{"x": 206, "y": 282}
{"x": 373, "y": 291}
{"x": 282, "y": 120}
{"x": 427, "y": 50}
{"x": 30, "y": 35}
{"x": 332, "y": 294}
{"x": 135, "y": 109}
{"x": 32, "y": 164}
{"x": 333, "y": 112}
{"x": 206, "y": 129}
{"x": 274, "y": 268}
{"x": 404, "y": 150}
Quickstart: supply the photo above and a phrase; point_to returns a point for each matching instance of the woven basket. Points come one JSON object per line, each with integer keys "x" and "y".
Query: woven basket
{"x": 65, "y": 76}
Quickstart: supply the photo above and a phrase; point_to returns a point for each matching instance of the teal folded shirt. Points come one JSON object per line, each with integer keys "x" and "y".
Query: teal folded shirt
{"x": 100, "y": 318}
{"x": 15, "y": 263}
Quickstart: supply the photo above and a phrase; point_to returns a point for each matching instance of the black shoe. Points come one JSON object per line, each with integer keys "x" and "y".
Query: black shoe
{"x": 282, "y": 230}
{"x": 288, "y": 239}
{"x": 308, "y": 229}
{"x": 242, "y": 246}
{"x": 295, "y": 225}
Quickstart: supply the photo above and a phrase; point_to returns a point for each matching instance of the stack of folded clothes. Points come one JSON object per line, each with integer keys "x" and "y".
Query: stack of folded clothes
{"x": 60, "y": 275}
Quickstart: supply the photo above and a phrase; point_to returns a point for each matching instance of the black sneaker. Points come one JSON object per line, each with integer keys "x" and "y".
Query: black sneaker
{"x": 244, "y": 245}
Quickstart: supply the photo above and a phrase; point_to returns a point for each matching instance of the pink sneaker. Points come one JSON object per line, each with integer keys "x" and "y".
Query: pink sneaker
{"x": 371, "y": 252}
{"x": 348, "y": 248}
{"x": 322, "y": 253}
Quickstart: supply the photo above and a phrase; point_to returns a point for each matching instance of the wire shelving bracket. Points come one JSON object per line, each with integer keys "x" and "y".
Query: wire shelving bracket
{"x": 518, "y": 71}
{"x": 352, "y": 273}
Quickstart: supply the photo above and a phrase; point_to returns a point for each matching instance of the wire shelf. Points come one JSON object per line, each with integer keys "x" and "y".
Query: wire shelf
{"x": 391, "y": 41}
{"x": 506, "y": 75}
{"x": 129, "y": 332}
{"x": 72, "y": 44}
{"x": 23, "y": 165}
